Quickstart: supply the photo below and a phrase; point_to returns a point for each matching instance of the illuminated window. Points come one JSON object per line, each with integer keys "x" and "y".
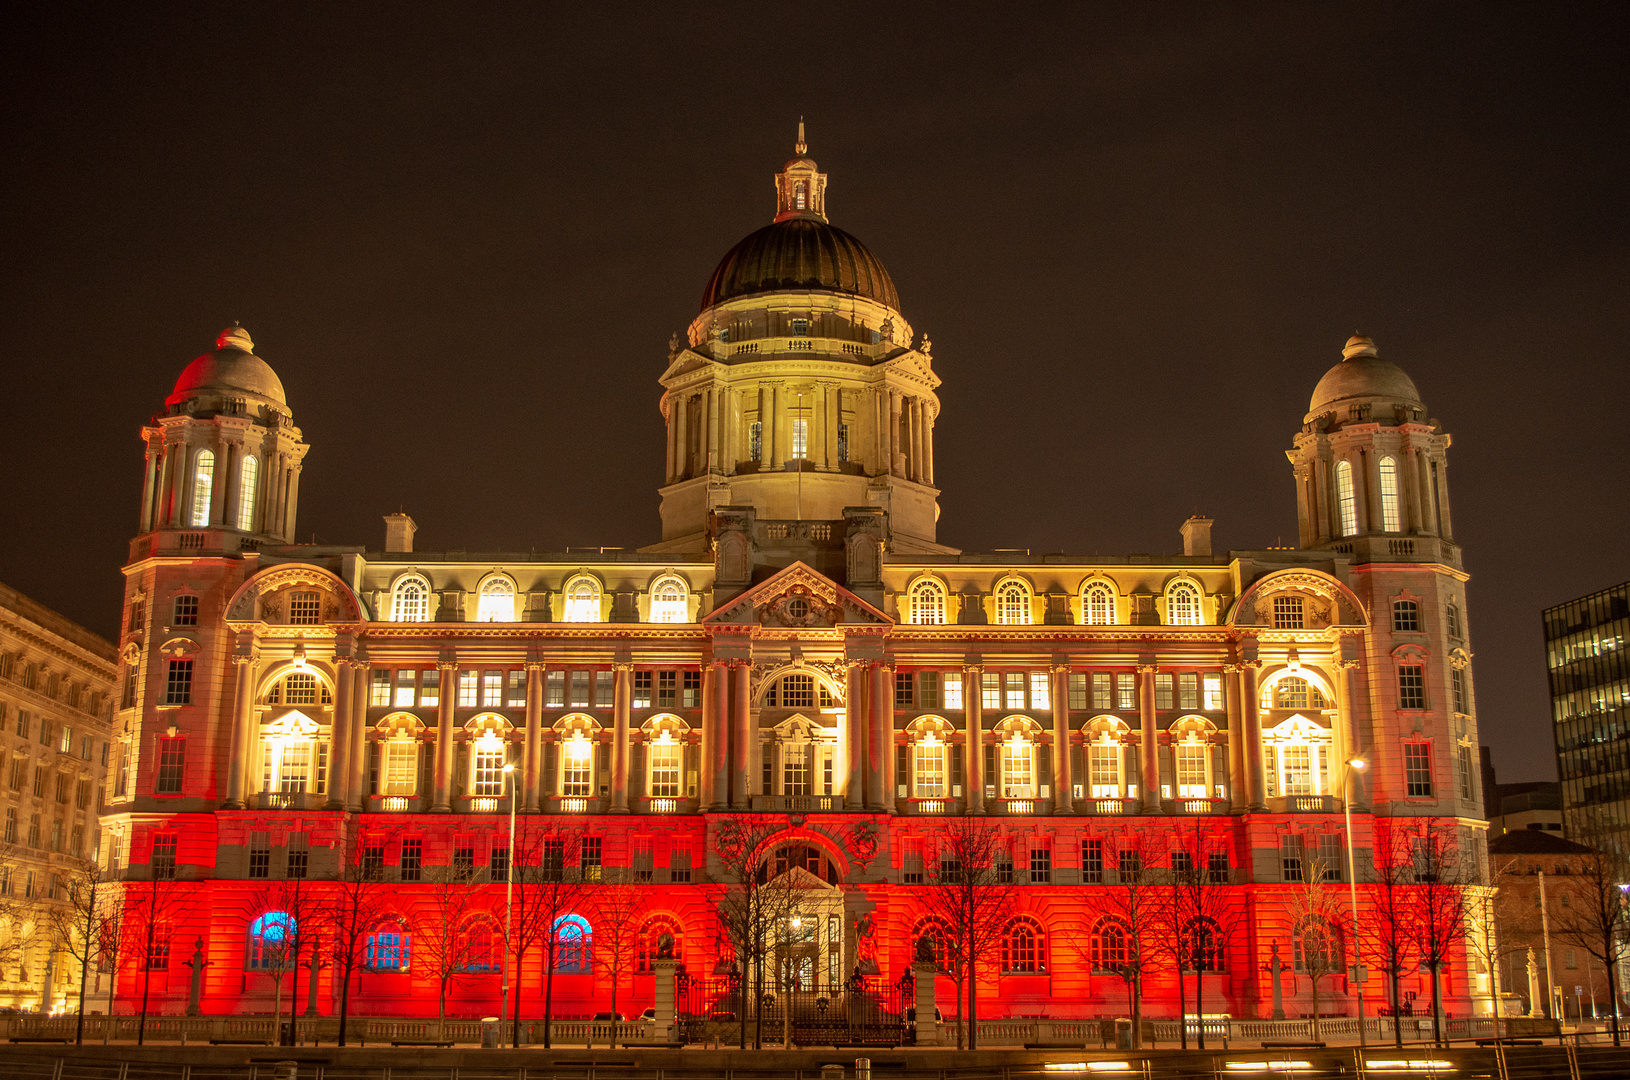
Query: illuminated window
{"x": 929, "y": 767}
{"x": 1024, "y": 946}
{"x": 1013, "y": 690}
{"x": 927, "y": 603}
{"x": 576, "y": 767}
{"x": 178, "y": 682}
{"x": 401, "y": 767}
{"x": 795, "y": 768}
{"x": 574, "y": 944}
{"x": 1291, "y": 692}
{"x": 1104, "y": 769}
{"x": 1389, "y": 495}
{"x": 1013, "y": 604}
{"x": 953, "y": 690}
{"x": 410, "y": 600}
{"x": 300, "y": 688}
{"x": 669, "y": 601}
{"x": 794, "y": 692}
{"x": 1346, "y": 503}
{"x": 1109, "y": 952}
{"x": 487, "y": 776}
{"x": 1018, "y": 768}
{"x": 497, "y": 603}
{"x": 390, "y": 948}
{"x": 480, "y": 946}
{"x": 1041, "y": 691}
{"x": 1098, "y": 605}
{"x": 1183, "y": 604}
{"x": 492, "y": 689}
{"x": 270, "y": 938}
{"x": 755, "y": 441}
{"x": 1287, "y": 613}
{"x": 800, "y": 438}
{"x": 799, "y": 197}
{"x": 203, "y": 486}
{"x": 1191, "y": 771}
{"x": 665, "y": 759}
{"x": 583, "y": 600}
{"x": 248, "y": 478}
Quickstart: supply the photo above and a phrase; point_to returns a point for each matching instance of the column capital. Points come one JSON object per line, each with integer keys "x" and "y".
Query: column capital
{"x": 246, "y": 658}
{"x": 1231, "y": 669}
{"x": 622, "y": 666}
{"x": 1061, "y": 668}
{"x": 974, "y": 669}
{"x": 531, "y": 665}
{"x": 1148, "y": 669}
{"x": 447, "y": 665}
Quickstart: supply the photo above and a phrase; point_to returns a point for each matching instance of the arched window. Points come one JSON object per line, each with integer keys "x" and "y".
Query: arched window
{"x": 292, "y": 758}
{"x": 480, "y": 945}
{"x": 1200, "y": 946}
{"x": 1346, "y": 503}
{"x": 927, "y": 603}
{"x": 800, "y": 195}
{"x": 271, "y": 937}
{"x": 1108, "y": 945}
{"x": 649, "y": 946}
{"x": 1017, "y": 763}
{"x": 410, "y": 600}
{"x": 487, "y": 765}
{"x": 1317, "y": 947}
{"x": 669, "y": 601}
{"x": 932, "y": 928}
{"x": 1013, "y": 603}
{"x": 497, "y": 600}
{"x": 203, "y": 486}
{"x": 390, "y": 948}
{"x": 248, "y": 478}
{"x": 1024, "y": 946}
{"x": 1297, "y": 756}
{"x": 1104, "y": 767}
{"x": 577, "y": 766}
{"x": 1098, "y": 604}
{"x": 1406, "y": 616}
{"x": 664, "y": 754}
{"x": 299, "y": 688}
{"x": 797, "y": 691}
{"x": 1183, "y": 604}
{"x": 583, "y": 600}
{"x": 574, "y": 944}
{"x": 1389, "y": 495}
{"x": 929, "y": 763}
{"x": 1295, "y": 692}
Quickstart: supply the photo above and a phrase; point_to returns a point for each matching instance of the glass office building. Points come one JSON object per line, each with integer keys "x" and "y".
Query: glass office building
{"x": 1590, "y": 708}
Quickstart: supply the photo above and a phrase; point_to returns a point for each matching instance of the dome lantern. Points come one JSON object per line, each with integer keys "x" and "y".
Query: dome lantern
{"x": 800, "y": 188}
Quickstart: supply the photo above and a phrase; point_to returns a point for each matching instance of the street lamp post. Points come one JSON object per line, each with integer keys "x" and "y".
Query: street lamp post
{"x": 509, "y": 885}
{"x": 1360, "y": 975}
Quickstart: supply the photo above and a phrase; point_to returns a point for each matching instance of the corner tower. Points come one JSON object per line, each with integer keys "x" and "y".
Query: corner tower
{"x": 800, "y": 390}
{"x": 224, "y": 457}
{"x": 1371, "y": 469}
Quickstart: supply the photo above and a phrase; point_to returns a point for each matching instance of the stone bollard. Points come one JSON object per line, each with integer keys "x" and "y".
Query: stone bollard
{"x": 863, "y": 1069}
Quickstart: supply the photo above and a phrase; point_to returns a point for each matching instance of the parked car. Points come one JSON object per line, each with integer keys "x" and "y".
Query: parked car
{"x": 610, "y": 1018}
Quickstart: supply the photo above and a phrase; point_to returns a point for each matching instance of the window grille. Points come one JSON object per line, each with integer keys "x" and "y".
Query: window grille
{"x": 249, "y": 477}
{"x": 1183, "y": 604}
{"x": 178, "y": 683}
{"x": 1092, "y": 862}
{"x": 1013, "y": 604}
{"x": 1163, "y": 691}
{"x": 1406, "y": 616}
{"x": 1098, "y": 605}
{"x": 1288, "y": 613}
{"x": 305, "y": 608}
{"x": 497, "y": 601}
{"x": 1346, "y": 503}
{"x": 927, "y": 604}
{"x": 162, "y": 860}
{"x": 1388, "y": 469}
{"x": 203, "y": 487}
{"x": 1411, "y": 686}
{"x": 172, "y": 760}
{"x": 410, "y": 602}
{"x": 1126, "y": 692}
{"x": 1418, "y": 770}
{"x": 952, "y": 694}
{"x": 186, "y": 611}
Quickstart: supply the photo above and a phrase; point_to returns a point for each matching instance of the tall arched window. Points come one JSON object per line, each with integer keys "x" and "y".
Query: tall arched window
{"x": 1108, "y": 945}
{"x": 669, "y": 601}
{"x": 1295, "y": 692}
{"x": 1024, "y": 946}
{"x": 574, "y": 944}
{"x": 1346, "y": 502}
{"x": 410, "y": 600}
{"x": 1013, "y": 604}
{"x": 497, "y": 600}
{"x": 248, "y": 478}
{"x": 1200, "y": 946}
{"x": 927, "y": 603}
{"x": 583, "y": 600}
{"x": 480, "y": 945}
{"x": 1098, "y": 604}
{"x": 270, "y": 938}
{"x": 203, "y": 486}
{"x": 1017, "y": 760}
{"x": 1389, "y": 495}
{"x": 1183, "y": 604}
{"x": 650, "y": 944}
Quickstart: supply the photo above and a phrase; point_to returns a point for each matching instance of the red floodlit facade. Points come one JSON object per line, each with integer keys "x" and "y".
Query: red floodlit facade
{"x": 798, "y": 651}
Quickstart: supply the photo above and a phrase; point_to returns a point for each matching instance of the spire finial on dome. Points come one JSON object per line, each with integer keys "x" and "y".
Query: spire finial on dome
{"x": 802, "y": 147}
{"x": 1358, "y": 345}
{"x": 235, "y": 337}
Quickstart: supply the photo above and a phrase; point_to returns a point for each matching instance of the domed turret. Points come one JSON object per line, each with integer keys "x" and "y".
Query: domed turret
{"x": 1371, "y": 469}
{"x": 232, "y": 370}
{"x": 1363, "y": 377}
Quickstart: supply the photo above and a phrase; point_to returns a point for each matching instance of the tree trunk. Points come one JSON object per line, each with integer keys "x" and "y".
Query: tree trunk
{"x": 1137, "y": 1010}
{"x": 1437, "y": 1007}
{"x": 1199, "y": 999}
{"x": 1182, "y": 1003}
{"x": 1397, "y": 1029}
{"x": 294, "y": 995}
{"x": 515, "y": 1008}
{"x": 345, "y": 999}
{"x": 973, "y": 993}
{"x": 1315, "y": 1008}
{"x": 1612, "y": 990}
{"x": 548, "y": 986}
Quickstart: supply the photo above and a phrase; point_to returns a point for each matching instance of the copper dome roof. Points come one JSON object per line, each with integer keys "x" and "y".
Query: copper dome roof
{"x": 803, "y": 252}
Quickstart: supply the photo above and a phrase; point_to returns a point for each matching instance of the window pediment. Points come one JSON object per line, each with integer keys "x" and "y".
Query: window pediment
{"x": 1297, "y": 729}
{"x": 293, "y": 724}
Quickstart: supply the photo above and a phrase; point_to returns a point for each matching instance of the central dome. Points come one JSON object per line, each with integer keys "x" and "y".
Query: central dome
{"x": 800, "y": 253}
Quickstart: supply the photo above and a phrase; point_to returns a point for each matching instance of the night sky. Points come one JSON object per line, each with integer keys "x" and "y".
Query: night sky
{"x": 1137, "y": 234}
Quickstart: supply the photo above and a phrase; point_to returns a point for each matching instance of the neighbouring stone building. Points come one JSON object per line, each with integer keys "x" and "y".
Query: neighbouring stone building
{"x": 800, "y": 647}
{"x": 56, "y": 704}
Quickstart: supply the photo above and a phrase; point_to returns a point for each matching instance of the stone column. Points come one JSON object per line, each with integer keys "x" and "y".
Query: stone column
{"x": 1321, "y": 492}
{"x": 1427, "y": 497}
{"x": 243, "y": 715}
{"x": 1063, "y": 792}
{"x": 532, "y": 756}
{"x": 357, "y": 756}
{"x": 663, "y": 1001}
{"x": 1149, "y": 750}
{"x": 776, "y": 429}
{"x": 673, "y": 432}
{"x": 682, "y": 437}
{"x": 896, "y": 451}
{"x": 973, "y": 747}
{"x": 180, "y": 473}
{"x": 293, "y": 502}
{"x": 928, "y": 447}
{"x": 149, "y": 491}
{"x": 232, "y": 461}
{"x": 339, "y": 737}
{"x": 716, "y": 741}
{"x": 710, "y": 724}
{"x": 854, "y": 727}
{"x": 928, "y": 1029}
{"x": 443, "y": 801}
{"x": 704, "y": 439}
{"x": 1251, "y": 702}
{"x": 1239, "y": 784}
{"x": 1443, "y": 500}
{"x": 622, "y": 699}
{"x": 742, "y": 734}
{"x": 879, "y": 719}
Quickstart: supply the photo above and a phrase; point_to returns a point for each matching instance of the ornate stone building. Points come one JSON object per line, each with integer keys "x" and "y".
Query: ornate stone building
{"x": 801, "y": 648}
{"x": 56, "y": 701}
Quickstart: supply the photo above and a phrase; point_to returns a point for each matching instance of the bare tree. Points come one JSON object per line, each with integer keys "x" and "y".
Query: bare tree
{"x": 1203, "y": 913}
{"x": 355, "y": 904}
{"x": 1134, "y": 902}
{"x": 1387, "y": 936}
{"x": 150, "y": 908}
{"x": 551, "y": 889}
{"x": 1595, "y": 917}
{"x": 1442, "y": 872}
{"x": 81, "y": 923}
{"x": 617, "y": 902}
{"x": 289, "y": 914}
{"x": 967, "y": 896}
{"x": 438, "y": 938}
{"x": 1319, "y": 925}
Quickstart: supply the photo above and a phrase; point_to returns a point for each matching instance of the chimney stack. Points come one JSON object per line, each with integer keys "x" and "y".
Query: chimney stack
{"x": 399, "y": 530}
{"x": 1197, "y": 536}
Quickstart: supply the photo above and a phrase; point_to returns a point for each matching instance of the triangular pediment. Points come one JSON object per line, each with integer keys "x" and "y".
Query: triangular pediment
{"x": 797, "y": 877}
{"x": 798, "y": 597}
